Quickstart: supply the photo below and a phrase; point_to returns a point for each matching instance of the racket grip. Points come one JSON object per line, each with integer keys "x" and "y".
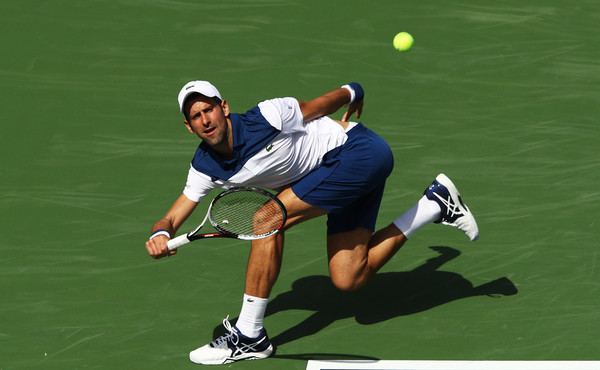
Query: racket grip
{"x": 177, "y": 242}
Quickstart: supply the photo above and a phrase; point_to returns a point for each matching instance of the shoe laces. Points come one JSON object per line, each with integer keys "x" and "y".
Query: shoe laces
{"x": 231, "y": 335}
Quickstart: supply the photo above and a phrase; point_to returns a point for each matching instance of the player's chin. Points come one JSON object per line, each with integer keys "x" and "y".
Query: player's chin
{"x": 212, "y": 140}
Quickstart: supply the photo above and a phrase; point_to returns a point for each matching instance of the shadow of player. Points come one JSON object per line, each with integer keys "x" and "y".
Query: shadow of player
{"x": 387, "y": 295}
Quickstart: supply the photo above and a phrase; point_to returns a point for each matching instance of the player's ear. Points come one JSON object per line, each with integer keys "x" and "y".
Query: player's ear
{"x": 225, "y": 107}
{"x": 189, "y": 127}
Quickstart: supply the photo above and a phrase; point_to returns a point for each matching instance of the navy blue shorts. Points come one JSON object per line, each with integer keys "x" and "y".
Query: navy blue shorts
{"x": 349, "y": 184}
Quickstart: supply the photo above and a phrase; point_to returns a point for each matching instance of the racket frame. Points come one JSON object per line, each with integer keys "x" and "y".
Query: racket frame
{"x": 192, "y": 235}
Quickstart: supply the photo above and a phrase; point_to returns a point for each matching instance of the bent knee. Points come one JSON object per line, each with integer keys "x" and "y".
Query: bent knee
{"x": 347, "y": 282}
{"x": 348, "y": 275}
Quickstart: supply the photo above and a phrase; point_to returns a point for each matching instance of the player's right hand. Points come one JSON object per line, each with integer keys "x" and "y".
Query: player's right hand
{"x": 157, "y": 247}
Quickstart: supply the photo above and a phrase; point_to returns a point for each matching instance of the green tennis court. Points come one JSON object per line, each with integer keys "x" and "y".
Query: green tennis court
{"x": 502, "y": 97}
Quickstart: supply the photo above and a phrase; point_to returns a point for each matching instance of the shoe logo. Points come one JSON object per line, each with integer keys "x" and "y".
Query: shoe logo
{"x": 269, "y": 147}
{"x": 452, "y": 210}
{"x": 242, "y": 349}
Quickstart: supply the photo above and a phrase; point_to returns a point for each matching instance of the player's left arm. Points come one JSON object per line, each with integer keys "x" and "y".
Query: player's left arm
{"x": 350, "y": 95}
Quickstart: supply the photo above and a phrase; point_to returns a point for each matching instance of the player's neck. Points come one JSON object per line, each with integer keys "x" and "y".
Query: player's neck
{"x": 226, "y": 154}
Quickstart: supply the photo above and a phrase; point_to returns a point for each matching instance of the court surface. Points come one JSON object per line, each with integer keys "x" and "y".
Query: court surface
{"x": 501, "y": 97}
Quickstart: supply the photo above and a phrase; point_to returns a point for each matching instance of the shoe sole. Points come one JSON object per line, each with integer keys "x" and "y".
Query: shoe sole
{"x": 455, "y": 195}
{"x": 246, "y": 357}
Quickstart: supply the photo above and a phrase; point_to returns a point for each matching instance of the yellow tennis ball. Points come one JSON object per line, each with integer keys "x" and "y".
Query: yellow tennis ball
{"x": 403, "y": 41}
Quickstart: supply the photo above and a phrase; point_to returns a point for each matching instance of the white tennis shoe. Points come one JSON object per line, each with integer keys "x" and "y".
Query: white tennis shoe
{"x": 233, "y": 346}
{"x": 454, "y": 212}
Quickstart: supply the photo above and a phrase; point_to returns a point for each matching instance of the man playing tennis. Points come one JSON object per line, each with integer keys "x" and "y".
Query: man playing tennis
{"x": 321, "y": 166}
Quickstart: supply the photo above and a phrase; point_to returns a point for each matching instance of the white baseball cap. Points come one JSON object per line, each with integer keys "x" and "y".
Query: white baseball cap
{"x": 201, "y": 87}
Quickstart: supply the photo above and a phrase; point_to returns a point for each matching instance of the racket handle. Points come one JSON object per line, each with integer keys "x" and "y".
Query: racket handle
{"x": 177, "y": 242}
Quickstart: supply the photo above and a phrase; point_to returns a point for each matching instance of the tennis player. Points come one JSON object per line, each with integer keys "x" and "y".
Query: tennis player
{"x": 320, "y": 166}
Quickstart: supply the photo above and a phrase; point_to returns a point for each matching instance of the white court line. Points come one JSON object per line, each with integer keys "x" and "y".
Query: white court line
{"x": 453, "y": 365}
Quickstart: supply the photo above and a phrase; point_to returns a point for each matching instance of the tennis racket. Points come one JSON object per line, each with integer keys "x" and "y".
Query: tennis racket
{"x": 245, "y": 213}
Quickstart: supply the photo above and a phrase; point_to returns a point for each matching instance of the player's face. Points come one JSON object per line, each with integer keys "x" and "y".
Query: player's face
{"x": 207, "y": 118}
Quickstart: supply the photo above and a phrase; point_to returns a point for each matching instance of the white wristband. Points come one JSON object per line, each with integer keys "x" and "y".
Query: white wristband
{"x": 160, "y": 232}
{"x": 352, "y": 93}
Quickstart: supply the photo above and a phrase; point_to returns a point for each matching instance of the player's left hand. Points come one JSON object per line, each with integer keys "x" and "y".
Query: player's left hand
{"x": 352, "y": 108}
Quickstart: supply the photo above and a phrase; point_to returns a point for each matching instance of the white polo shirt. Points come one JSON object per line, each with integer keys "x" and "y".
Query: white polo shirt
{"x": 273, "y": 148}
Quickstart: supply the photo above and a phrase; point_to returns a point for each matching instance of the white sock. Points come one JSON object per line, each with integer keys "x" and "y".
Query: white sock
{"x": 251, "y": 317}
{"x": 423, "y": 213}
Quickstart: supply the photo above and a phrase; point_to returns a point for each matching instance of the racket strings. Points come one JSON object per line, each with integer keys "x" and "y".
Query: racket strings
{"x": 247, "y": 213}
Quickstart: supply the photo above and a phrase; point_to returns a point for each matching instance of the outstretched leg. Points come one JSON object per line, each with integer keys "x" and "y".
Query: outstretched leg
{"x": 266, "y": 254}
{"x": 248, "y": 339}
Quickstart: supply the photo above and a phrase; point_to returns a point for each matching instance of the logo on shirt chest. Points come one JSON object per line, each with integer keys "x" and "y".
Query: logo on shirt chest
{"x": 269, "y": 147}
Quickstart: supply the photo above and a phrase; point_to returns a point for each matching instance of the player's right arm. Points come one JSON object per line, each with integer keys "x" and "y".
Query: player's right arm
{"x": 175, "y": 217}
